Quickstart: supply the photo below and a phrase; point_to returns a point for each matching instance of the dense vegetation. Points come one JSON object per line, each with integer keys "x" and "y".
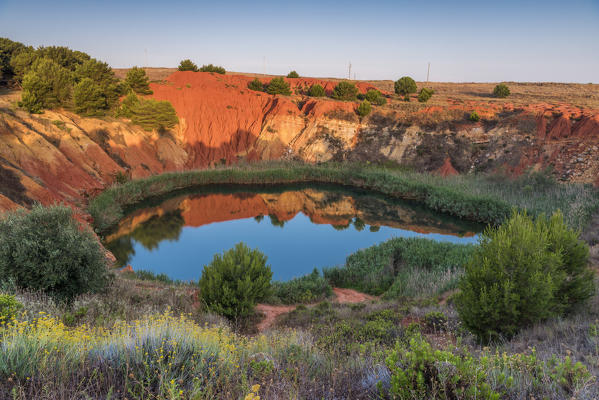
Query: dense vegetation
{"x": 345, "y": 91}
{"x": 425, "y": 95}
{"x": 233, "y": 283}
{"x": 374, "y": 97}
{"x": 316, "y": 90}
{"x": 405, "y": 86}
{"x": 137, "y": 81}
{"x": 148, "y": 113}
{"x": 256, "y": 84}
{"x": 305, "y": 289}
{"x": 501, "y": 91}
{"x": 45, "y": 250}
{"x": 524, "y": 272}
{"x": 212, "y": 68}
{"x": 187, "y": 65}
{"x": 278, "y": 86}
{"x": 293, "y": 74}
{"x": 364, "y": 108}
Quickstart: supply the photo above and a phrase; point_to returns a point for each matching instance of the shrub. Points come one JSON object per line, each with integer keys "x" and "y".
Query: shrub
{"x": 346, "y": 91}
{"x": 8, "y": 49}
{"x": 137, "y": 80}
{"x": 405, "y": 86}
{"x": 256, "y": 84}
{"x": 104, "y": 79}
{"x": 375, "y": 97}
{"x": 212, "y": 68}
{"x": 46, "y": 85}
{"x": 278, "y": 86}
{"x": 501, "y": 91}
{"x": 233, "y": 283}
{"x": 419, "y": 372}
{"x": 9, "y": 306}
{"x": 364, "y": 108}
{"x": 45, "y": 249}
{"x": 305, "y": 289}
{"x": 293, "y": 74}
{"x": 523, "y": 272}
{"x": 435, "y": 321}
{"x": 425, "y": 95}
{"x": 89, "y": 99}
{"x": 148, "y": 113}
{"x": 188, "y": 65}
{"x": 474, "y": 117}
{"x": 316, "y": 90}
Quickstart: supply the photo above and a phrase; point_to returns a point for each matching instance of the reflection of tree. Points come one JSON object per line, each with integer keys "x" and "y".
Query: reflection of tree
{"x": 275, "y": 221}
{"x": 375, "y": 228}
{"x": 159, "y": 228}
{"x": 122, "y": 249}
{"x": 259, "y": 218}
{"x": 341, "y": 227}
{"x": 359, "y": 224}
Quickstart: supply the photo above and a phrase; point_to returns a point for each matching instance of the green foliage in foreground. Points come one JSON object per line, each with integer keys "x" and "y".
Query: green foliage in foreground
{"x": 481, "y": 198}
{"x": 46, "y": 85}
{"x": 305, "y": 289}
{"x": 364, "y": 108}
{"x": 233, "y": 283}
{"x": 425, "y": 95}
{"x": 316, "y": 90}
{"x": 346, "y": 91}
{"x": 137, "y": 80}
{"x": 405, "y": 85}
{"x": 9, "y": 306}
{"x": 403, "y": 267}
{"x": 188, "y": 65}
{"x": 256, "y": 85}
{"x": 278, "y": 86}
{"x": 522, "y": 273}
{"x": 45, "y": 249}
{"x": 212, "y": 68}
{"x": 374, "y": 97}
{"x": 474, "y": 117}
{"x": 501, "y": 91}
{"x": 148, "y": 113}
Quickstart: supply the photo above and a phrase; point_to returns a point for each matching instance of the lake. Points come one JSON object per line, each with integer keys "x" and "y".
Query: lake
{"x": 299, "y": 228}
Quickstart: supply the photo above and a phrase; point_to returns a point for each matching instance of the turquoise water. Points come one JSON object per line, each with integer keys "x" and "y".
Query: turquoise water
{"x": 308, "y": 228}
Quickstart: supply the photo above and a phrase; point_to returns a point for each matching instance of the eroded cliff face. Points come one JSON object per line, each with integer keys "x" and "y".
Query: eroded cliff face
{"x": 59, "y": 156}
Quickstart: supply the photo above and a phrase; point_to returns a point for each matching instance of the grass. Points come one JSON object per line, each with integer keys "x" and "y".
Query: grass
{"x": 480, "y": 198}
{"x": 305, "y": 289}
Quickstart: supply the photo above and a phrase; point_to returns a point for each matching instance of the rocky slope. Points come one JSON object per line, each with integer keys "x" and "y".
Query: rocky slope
{"x": 59, "y": 156}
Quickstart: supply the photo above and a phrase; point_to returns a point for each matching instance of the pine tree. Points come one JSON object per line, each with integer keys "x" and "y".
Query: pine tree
{"x": 137, "y": 80}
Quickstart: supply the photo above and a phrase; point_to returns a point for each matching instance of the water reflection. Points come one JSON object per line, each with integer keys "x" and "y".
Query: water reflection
{"x": 181, "y": 234}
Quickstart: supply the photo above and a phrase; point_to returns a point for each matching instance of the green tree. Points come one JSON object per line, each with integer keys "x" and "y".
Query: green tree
{"x": 137, "y": 80}
{"x": 63, "y": 56}
{"x": 21, "y": 62}
{"x": 8, "y": 49}
{"x": 523, "y": 272}
{"x": 103, "y": 77}
{"x": 293, "y": 74}
{"x": 405, "y": 86}
{"x": 364, "y": 108}
{"x": 89, "y": 99}
{"x": 345, "y": 91}
{"x": 233, "y": 283}
{"x": 46, "y": 85}
{"x": 316, "y": 90}
{"x": 46, "y": 249}
{"x": 501, "y": 91}
{"x": 278, "y": 86}
{"x": 212, "y": 68}
{"x": 474, "y": 117}
{"x": 188, "y": 65}
{"x": 425, "y": 95}
{"x": 375, "y": 97}
{"x": 148, "y": 113}
{"x": 256, "y": 84}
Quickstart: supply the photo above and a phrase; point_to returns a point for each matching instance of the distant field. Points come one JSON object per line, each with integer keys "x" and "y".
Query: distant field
{"x": 523, "y": 93}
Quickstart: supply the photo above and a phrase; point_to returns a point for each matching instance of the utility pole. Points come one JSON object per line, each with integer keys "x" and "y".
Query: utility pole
{"x": 264, "y": 65}
{"x": 349, "y": 73}
{"x": 146, "y": 53}
{"x": 428, "y": 72}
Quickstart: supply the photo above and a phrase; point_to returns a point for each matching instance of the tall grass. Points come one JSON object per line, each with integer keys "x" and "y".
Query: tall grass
{"x": 481, "y": 198}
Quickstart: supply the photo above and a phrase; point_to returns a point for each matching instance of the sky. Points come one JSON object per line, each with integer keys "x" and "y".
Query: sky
{"x": 464, "y": 41}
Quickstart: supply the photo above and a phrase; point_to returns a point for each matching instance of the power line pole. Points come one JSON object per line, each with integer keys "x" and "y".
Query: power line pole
{"x": 349, "y": 73}
{"x": 428, "y": 72}
{"x": 146, "y": 53}
{"x": 264, "y": 65}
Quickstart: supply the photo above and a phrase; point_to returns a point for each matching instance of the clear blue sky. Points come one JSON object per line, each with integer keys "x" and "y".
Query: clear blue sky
{"x": 500, "y": 40}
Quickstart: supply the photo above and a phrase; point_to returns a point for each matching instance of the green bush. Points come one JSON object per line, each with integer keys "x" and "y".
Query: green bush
{"x": 212, "y": 68}
{"x": 425, "y": 95}
{"x": 137, "y": 80}
{"x": 46, "y": 85}
{"x": 8, "y": 50}
{"x": 256, "y": 85}
{"x": 364, "y": 108}
{"x": 404, "y": 86}
{"x": 89, "y": 99}
{"x": 305, "y": 289}
{"x": 501, "y": 91}
{"x": 45, "y": 249}
{"x": 233, "y": 283}
{"x": 375, "y": 97}
{"x": 278, "y": 86}
{"x": 346, "y": 91}
{"x": 293, "y": 74}
{"x": 104, "y": 79}
{"x": 419, "y": 372}
{"x": 435, "y": 321}
{"x": 9, "y": 306}
{"x": 316, "y": 90}
{"x": 523, "y": 272}
{"x": 188, "y": 65}
{"x": 474, "y": 117}
{"x": 148, "y": 113}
